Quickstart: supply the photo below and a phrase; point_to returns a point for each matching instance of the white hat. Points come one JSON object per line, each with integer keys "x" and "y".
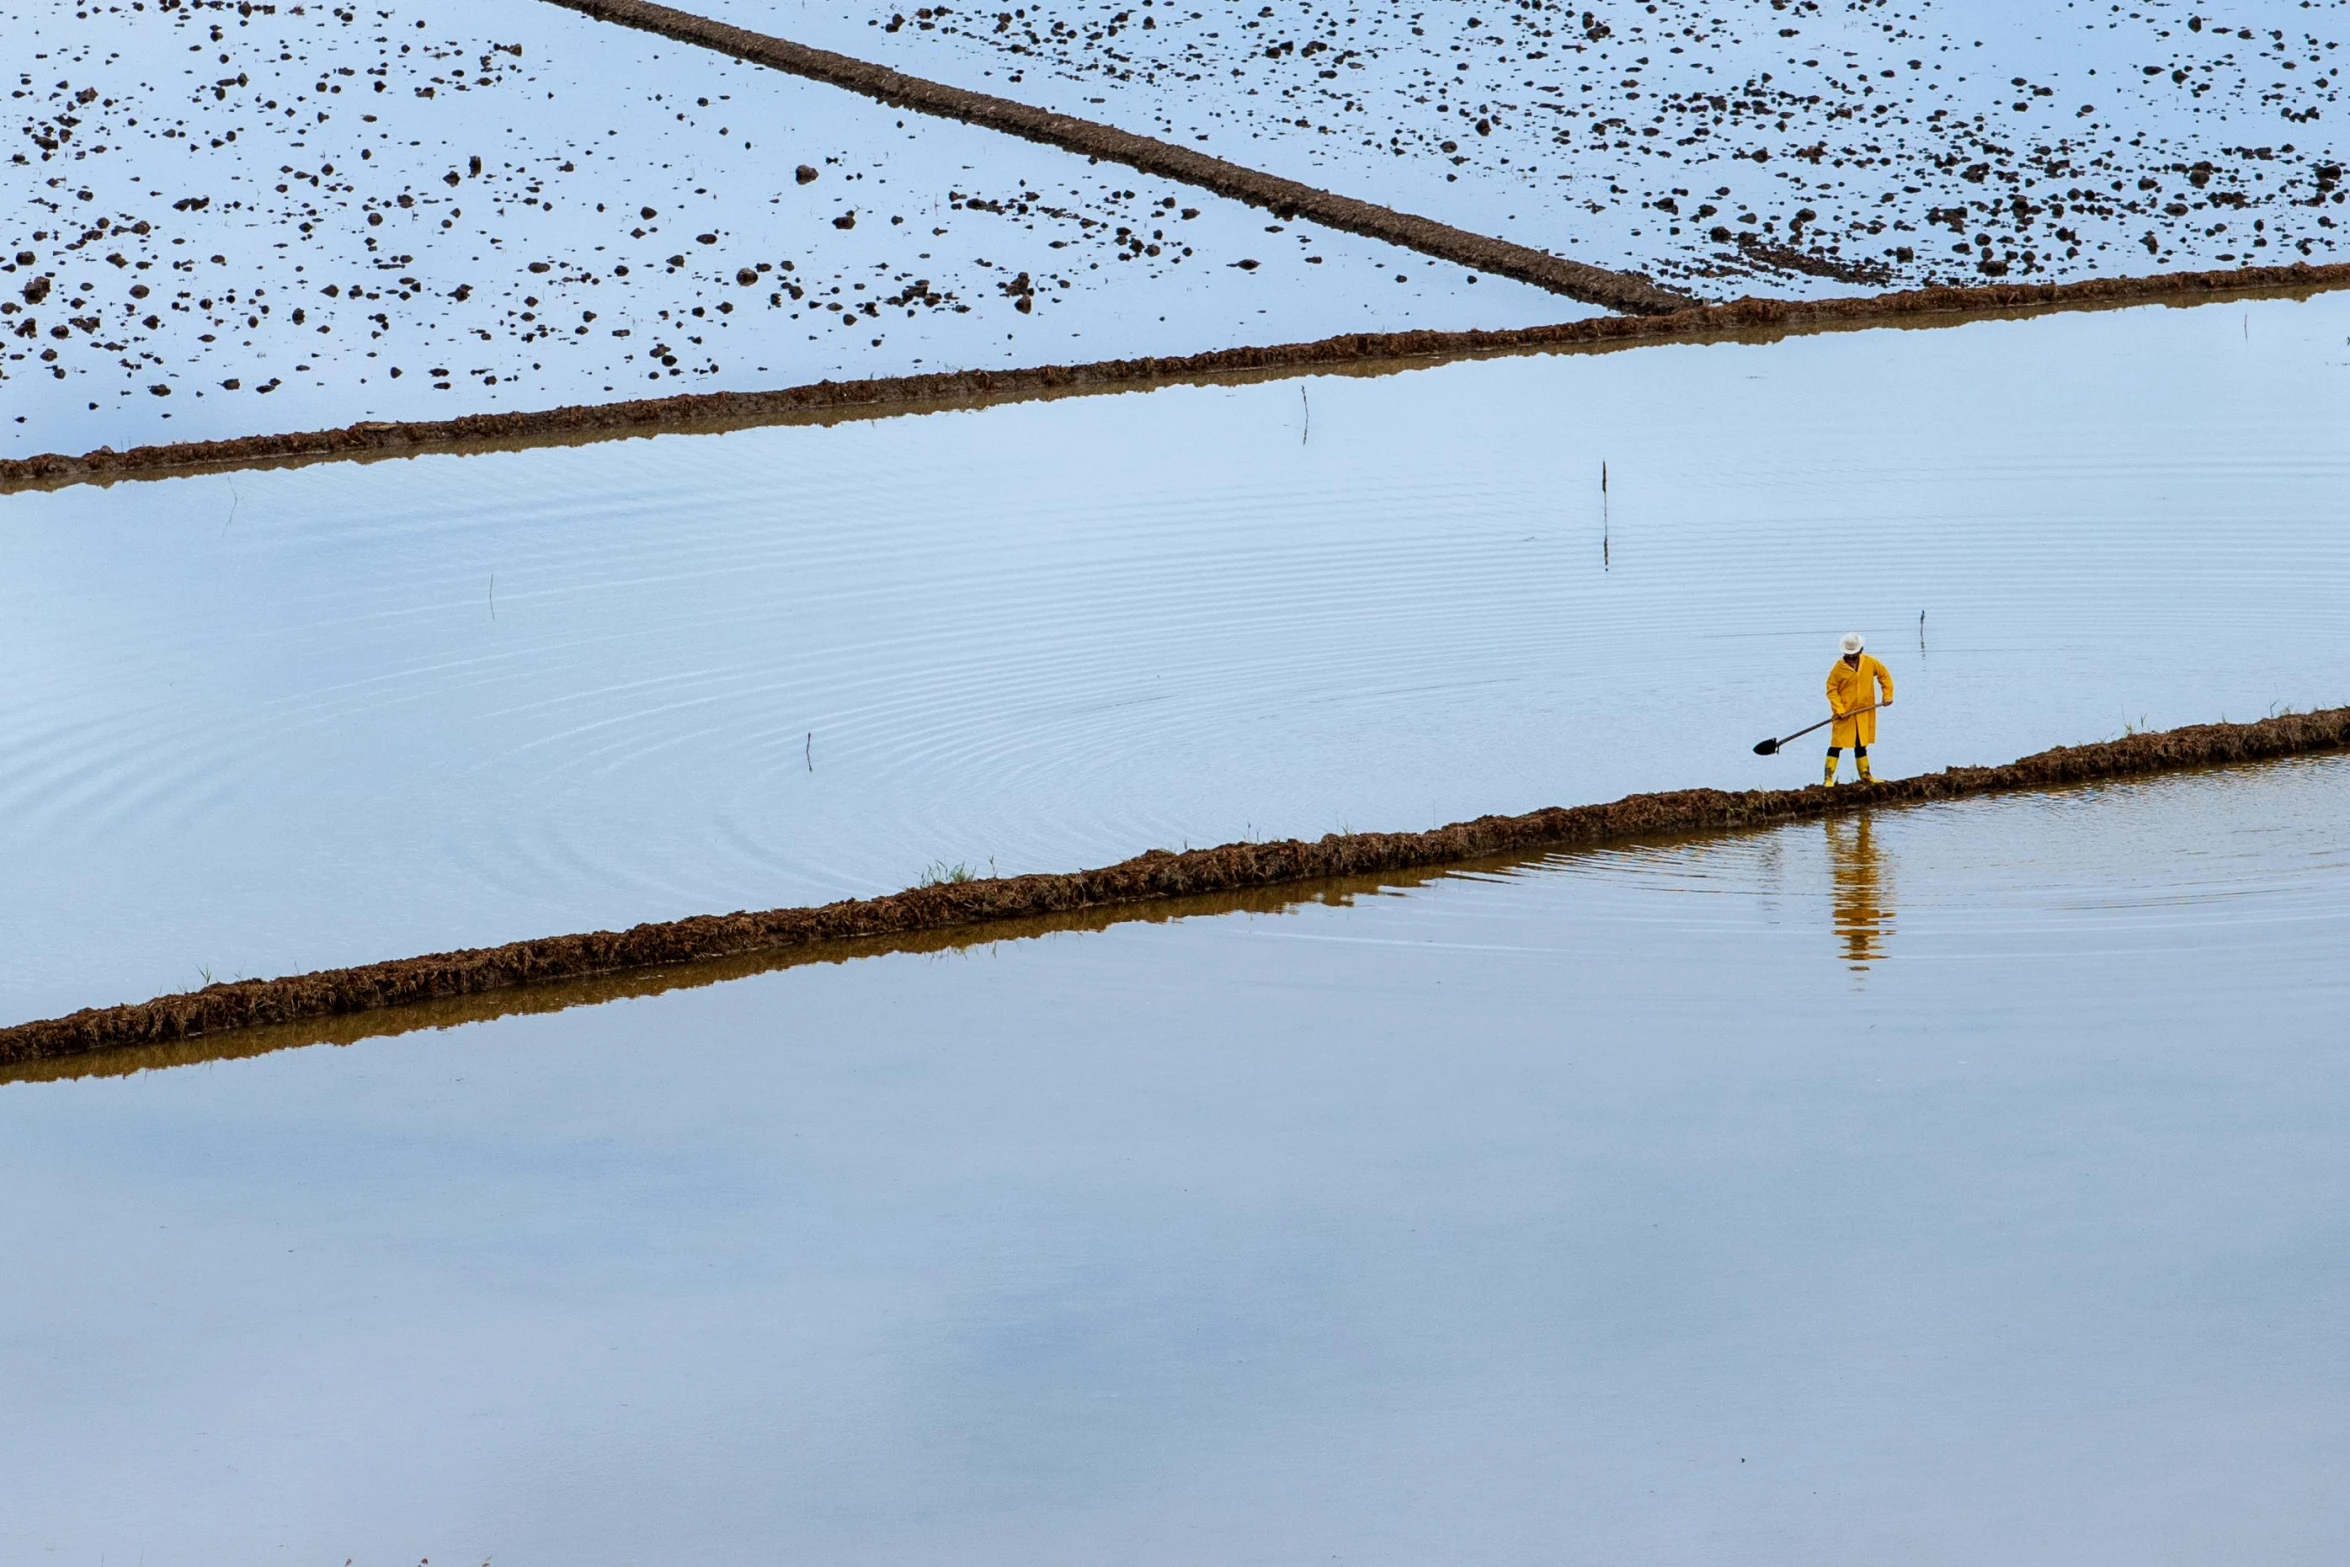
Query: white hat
{"x": 1853, "y": 642}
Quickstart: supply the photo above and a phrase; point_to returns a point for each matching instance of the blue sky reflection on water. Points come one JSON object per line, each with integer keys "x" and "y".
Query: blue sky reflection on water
{"x": 1593, "y": 1212}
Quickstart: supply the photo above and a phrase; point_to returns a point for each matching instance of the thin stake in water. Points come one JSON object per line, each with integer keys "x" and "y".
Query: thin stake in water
{"x": 1603, "y": 524}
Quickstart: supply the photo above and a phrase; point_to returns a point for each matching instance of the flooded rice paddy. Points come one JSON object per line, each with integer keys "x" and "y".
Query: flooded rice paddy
{"x": 279, "y": 720}
{"x": 1950, "y": 1184}
{"x": 227, "y": 220}
{"x": 1954, "y": 1185}
{"x": 1780, "y": 148}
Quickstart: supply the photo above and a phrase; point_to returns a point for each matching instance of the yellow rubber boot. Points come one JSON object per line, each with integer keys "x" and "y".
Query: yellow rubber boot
{"x": 1861, "y": 761}
{"x": 1831, "y": 779}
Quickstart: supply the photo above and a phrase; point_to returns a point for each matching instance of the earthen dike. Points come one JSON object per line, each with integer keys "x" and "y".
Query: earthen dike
{"x": 1744, "y": 320}
{"x": 1142, "y": 887}
{"x": 1649, "y": 313}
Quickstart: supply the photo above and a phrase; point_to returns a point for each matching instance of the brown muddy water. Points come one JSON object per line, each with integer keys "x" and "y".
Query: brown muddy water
{"x": 270, "y": 722}
{"x": 1954, "y": 1185}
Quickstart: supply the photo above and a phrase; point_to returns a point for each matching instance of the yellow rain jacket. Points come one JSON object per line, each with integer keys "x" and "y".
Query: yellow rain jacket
{"x": 1851, "y": 689}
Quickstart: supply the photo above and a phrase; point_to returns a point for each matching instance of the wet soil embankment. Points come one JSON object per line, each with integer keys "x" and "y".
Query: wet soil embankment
{"x": 1745, "y": 319}
{"x": 1148, "y": 880}
{"x": 1625, "y": 291}
{"x": 591, "y": 990}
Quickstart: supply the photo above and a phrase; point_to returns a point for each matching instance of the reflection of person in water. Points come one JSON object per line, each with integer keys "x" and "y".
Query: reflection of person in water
{"x": 1861, "y": 882}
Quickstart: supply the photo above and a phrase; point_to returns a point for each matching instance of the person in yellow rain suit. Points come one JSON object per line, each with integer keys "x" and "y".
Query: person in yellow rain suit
{"x": 1854, "y": 682}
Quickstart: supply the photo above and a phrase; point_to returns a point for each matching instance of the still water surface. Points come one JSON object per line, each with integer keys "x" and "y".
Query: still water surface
{"x": 273, "y": 721}
{"x": 1958, "y": 1185}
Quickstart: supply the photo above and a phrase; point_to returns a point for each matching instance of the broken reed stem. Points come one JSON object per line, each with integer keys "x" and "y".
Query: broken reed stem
{"x": 1140, "y": 883}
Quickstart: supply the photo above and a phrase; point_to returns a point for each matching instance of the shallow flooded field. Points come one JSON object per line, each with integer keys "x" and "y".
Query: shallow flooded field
{"x": 232, "y": 221}
{"x": 1955, "y": 1185}
{"x": 1780, "y": 148}
{"x": 281, "y": 720}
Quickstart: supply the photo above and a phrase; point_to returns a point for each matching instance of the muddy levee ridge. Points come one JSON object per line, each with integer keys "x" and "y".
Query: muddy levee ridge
{"x": 1149, "y": 879}
{"x": 1626, "y": 291}
{"x": 537, "y": 1000}
{"x": 1743, "y": 319}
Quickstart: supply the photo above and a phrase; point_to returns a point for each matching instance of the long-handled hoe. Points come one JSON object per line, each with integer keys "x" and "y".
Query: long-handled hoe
{"x": 1771, "y": 747}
